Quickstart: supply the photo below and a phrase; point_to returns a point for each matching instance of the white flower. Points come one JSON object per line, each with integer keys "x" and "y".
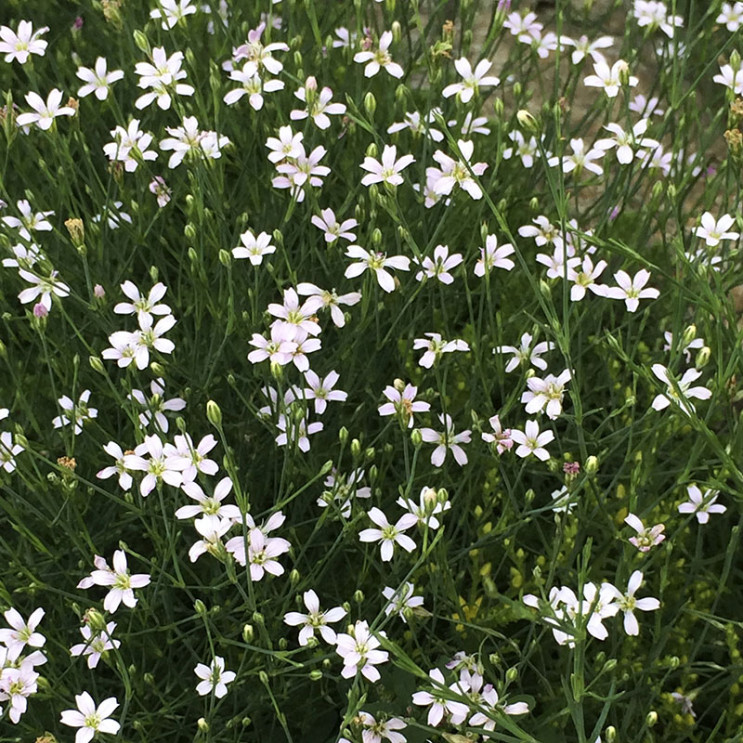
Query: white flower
{"x": 165, "y": 464}
{"x": 446, "y": 440}
{"x": 332, "y": 228}
{"x": 435, "y": 346}
{"x": 610, "y": 78}
{"x": 546, "y": 394}
{"x": 8, "y": 451}
{"x": 440, "y": 702}
{"x": 318, "y": 105}
{"x": 324, "y": 299}
{"x": 254, "y": 248}
{"x": 731, "y": 15}
{"x": 579, "y": 159}
{"x": 584, "y": 47}
{"x": 375, "y": 730}
{"x": 525, "y": 354}
{"x": 456, "y": 172}
{"x": 18, "y": 46}
{"x": 401, "y": 600}
{"x": 632, "y": 290}
{"x": 389, "y": 535}
{"x": 701, "y": 505}
{"x": 143, "y": 306}
{"x": 712, "y": 231}
{"x": 500, "y": 437}
{"x": 315, "y": 619}
{"x": 96, "y": 643}
{"x": 403, "y": 404}
{"x": 321, "y": 390}
{"x": 213, "y": 678}
{"x": 91, "y": 719}
{"x": 359, "y": 652}
{"x": 427, "y": 507}
{"x": 98, "y": 80}
{"x": 130, "y": 146}
{"x": 119, "y": 580}
{"x": 472, "y": 80}
{"x": 209, "y": 505}
{"x": 585, "y": 278}
{"x": 388, "y": 169}
{"x": 628, "y": 603}
{"x": 626, "y": 142}
{"x": 531, "y": 441}
{"x": 161, "y": 76}
{"x": 44, "y": 111}
{"x": 380, "y": 57}
{"x": 679, "y": 391}
{"x": 377, "y": 262}
{"x": 172, "y": 11}
{"x": 75, "y": 413}
{"x": 21, "y": 633}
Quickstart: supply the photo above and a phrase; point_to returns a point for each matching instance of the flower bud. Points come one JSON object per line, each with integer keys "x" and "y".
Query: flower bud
{"x": 95, "y": 620}
{"x": 511, "y": 675}
{"x": 651, "y": 718}
{"x": 343, "y": 435}
{"x": 248, "y": 633}
{"x": 702, "y": 358}
{"x": 527, "y": 122}
{"x": 142, "y": 43}
{"x": 199, "y": 607}
{"x": 592, "y": 465}
{"x": 370, "y": 105}
{"x": 315, "y": 674}
{"x": 416, "y": 438}
{"x": 611, "y": 734}
{"x": 690, "y": 333}
{"x": 214, "y": 414}
{"x": 77, "y": 231}
{"x": 225, "y": 258}
{"x": 358, "y": 596}
{"x": 96, "y": 364}
{"x": 355, "y": 448}
{"x": 202, "y": 725}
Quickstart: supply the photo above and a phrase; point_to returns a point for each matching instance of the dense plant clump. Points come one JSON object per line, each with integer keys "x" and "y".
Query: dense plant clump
{"x": 371, "y": 370}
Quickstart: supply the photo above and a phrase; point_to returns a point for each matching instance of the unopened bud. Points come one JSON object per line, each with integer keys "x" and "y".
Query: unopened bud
{"x": 96, "y": 364}
{"x": 370, "y": 103}
{"x": 225, "y": 258}
{"x": 611, "y": 734}
{"x": 358, "y": 596}
{"x": 214, "y": 414}
{"x": 651, "y": 718}
{"x": 142, "y": 43}
{"x": 416, "y": 438}
{"x": 248, "y": 633}
{"x": 690, "y": 333}
{"x": 527, "y": 122}
{"x": 592, "y": 465}
{"x": 702, "y": 358}
{"x": 343, "y": 436}
{"x": 199, "y": 607}
{"x": 355, "y": 448}
{"x": 315, "y": 674}
{"x": 512, "y": 674}
{"x": 77, "y": 231}
{"x": 95, "y": 620}
{"x": 202, "y": 725}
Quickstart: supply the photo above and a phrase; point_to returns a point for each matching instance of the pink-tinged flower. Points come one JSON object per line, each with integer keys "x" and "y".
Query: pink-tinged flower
{"x": 388, "y": 169}
{"x": 160, "y": 188}
{"x": 701, "y": 504}
{"x": 440, "y": 702}
{"x": 652, "y": 14}
{"x": 296, "y": 432}
{"x": 318, "y": 105}
{"x": 261, "y": 555}
{"x": 439, "y": 266}
{"x": 679, "y": 391}
{"x": 298, "y": 172}
{"x": 435, "y": 346}
{"x": 98, "y": 80}
{"x": 20, "y": 45}
{"x": 377, "y": 262}
{"x": 286, "y": 145}
{"x": 360, "y": 653}
{"x": 472, "y": 81}
{"x": 646, "y": 538}
{"x": 632, "y": 290}
{"x": 494, "y": 256}
{"x": 279, "y": 350}
{"x": 259, "y": 55}
{"x": 403, "y": 404}
{"x": 44, "y": 112}
{"x": 628, "y": 604}
{"x": 418, "y": 125}
{"x": 500, "y": 437}
{"x": 375, "y": 730}
{"x": 389, "y": 535}
{"x": 321, "y": 390}
{"x": 315, "y": 619}
{"x": 446, "y": 440}
{"x": 213, "y": 678}
{"x": 91, "y": 719}
{"x": 611, "y": 78}
{"x": 712, "y": 231}
{"x": 252, "y": 85}
{"x": 525, "y": 354}
{"x": 456, "y": 172}
{"x": 531, "y": 441}
{"x": 379, "y": 58}
{"x": 119, "y": 581}
{"x": 21, "y": 633}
